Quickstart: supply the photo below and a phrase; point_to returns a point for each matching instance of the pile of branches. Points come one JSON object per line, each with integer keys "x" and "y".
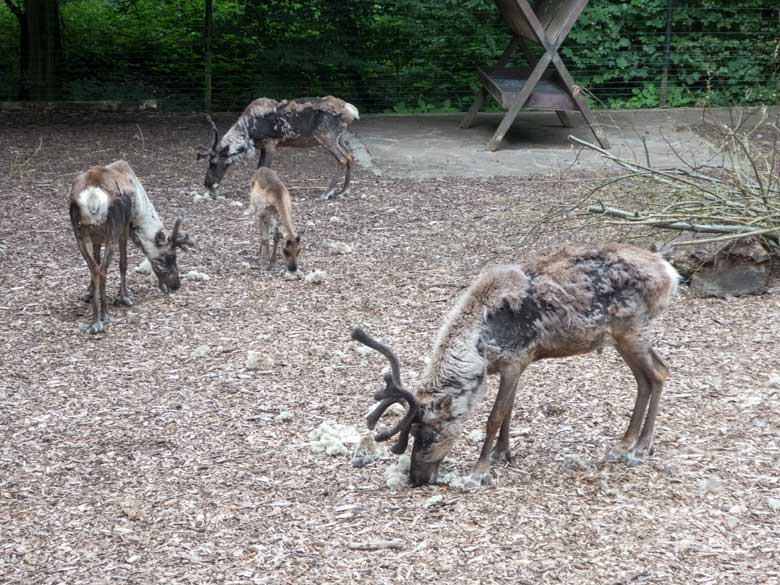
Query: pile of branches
{"x": 735, "y": 194}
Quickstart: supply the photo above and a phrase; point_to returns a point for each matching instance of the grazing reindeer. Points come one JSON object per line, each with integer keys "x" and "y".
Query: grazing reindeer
{"x": 266, "y": 123}
{"x": 108, "y": 204}
{"x": 570, "y": 303}
{"x": 270, "y": 202}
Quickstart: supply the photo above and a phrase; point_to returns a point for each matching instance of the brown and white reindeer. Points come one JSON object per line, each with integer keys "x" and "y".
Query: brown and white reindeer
{"x": 108, "y": 205}
{"x": 266, "y": 123}
{"x": 569, "y": 303}
{"x": 269, "y": 201}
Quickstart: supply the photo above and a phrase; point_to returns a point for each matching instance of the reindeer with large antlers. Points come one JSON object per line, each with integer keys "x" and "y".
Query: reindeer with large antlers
{"x": 108, "y": 205}
{"x": 570, "y": 303}
{"x": 266, "y": 123}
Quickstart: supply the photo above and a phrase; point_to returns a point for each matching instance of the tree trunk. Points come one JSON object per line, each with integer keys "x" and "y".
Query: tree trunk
{"x": 23, "y": 91}
{"x": 45, "y": 48}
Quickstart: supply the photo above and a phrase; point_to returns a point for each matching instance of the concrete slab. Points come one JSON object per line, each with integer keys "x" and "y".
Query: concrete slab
{"x": 433, "y": 145}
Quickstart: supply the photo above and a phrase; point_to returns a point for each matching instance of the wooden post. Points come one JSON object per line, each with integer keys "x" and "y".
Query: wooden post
{"x": 209, "y": 20}
{"x": 663, "y": 91}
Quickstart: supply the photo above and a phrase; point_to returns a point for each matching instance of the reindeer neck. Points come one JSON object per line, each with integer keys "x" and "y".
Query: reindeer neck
{"x": 145, "y": 222}
{"x": 283, "y": 208}
{"x": 457, "y": 365}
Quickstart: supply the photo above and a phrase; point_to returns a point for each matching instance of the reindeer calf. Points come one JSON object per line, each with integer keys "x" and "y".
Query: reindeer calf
{"x": 269, "y": 200}
{"x": 573, "y": 302}
{"x": 108, "y": 205}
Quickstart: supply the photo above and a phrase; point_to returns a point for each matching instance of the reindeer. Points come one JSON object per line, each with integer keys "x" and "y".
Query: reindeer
{"x": 108, "y": 204}
{"x": 269, "y": 200}
{"x": 266, "y": 123}
{"x": 569, "y": 303}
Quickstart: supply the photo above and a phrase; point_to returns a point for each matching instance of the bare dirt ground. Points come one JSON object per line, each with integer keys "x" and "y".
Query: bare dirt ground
{"x": 124, "y": 457}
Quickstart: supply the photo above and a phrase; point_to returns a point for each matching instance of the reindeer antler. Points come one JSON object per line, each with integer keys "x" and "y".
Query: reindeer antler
{"x": 177, "y": 240}
{"x": 204, "y": 152}
{"x": 392, "y": 393}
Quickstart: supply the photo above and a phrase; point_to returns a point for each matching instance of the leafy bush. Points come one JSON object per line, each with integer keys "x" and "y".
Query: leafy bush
{"x": 400, "y": 55}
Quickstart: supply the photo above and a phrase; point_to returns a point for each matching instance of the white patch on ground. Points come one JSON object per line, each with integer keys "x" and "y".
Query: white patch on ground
{"x": 475, "y": 437}
{"x": 332, "y": 439}
{"x": 257, "y": 360}
{"x": 774, "y": 504}
{"x": 200, "y": 352}
{"x": 314, "y": 277}
{"x": 435, "y": 500}
{"x": 297, "y": 275}
{"x": 283, "y": 416}
{"x": 236, "y": 204}
{"x": 451, "y": 478}
{"x": 144, "y": 267}
{"x": 397, "y": 474}
{"x": 198, "y": 197}
{"x": 338, "y": 248}
{"x": 774, "y": 380}
{"x": 195, "y": 275}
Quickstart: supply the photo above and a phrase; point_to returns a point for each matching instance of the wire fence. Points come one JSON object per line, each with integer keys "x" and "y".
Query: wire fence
{"x": 396, "y": 55}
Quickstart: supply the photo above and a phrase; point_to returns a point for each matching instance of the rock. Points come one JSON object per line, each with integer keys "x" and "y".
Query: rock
{"x": 774, "y": 380}
{"x": 144, "y": 267}
{"x": 256, "y": 360}
{"x": 433, "y": 501}
{"x": 200, "y": 352}
{"x": 195, "y": 275}
{"x": 283, "y": 416}
{"x": 339, "y": 248}
{"x": 475, "y": 437}
{"x": 315, "y": 277}
{"x": 730, "y": 280}
{"x": 737, "y": 269}
{"x": 709, "y": 484}
{"x": 774, "y": 504}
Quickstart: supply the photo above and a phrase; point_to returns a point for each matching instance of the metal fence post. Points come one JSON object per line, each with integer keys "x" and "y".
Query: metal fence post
{"x": 663, "y": 91}
{"x": 209, "y": 10}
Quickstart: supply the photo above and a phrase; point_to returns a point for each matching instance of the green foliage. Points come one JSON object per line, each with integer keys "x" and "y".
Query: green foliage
{"x": 400, "y": 55}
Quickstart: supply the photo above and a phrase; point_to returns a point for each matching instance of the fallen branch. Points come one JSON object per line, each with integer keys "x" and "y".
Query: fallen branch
{"x": 377, "y": 545}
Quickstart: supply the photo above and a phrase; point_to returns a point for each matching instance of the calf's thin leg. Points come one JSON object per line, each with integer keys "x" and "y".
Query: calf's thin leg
{"x": 639, "y": 360}
{"x": 501, "y": 452}
{"x": 104, "y": 316}
{"x": 644, "y": 446}
{"x": 95, "y": 274}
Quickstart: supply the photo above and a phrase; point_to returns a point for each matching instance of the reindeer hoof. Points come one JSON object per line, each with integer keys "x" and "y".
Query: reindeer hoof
{"x": 123, "y": 300}
{"x": 501, "y": 456}
{"x": 617, "y": 453}
{"x": 327, "y": 195}
{"x": 638, "y": 455}
{"x": 477, "y": 480}
{"x": 95, "y": 328}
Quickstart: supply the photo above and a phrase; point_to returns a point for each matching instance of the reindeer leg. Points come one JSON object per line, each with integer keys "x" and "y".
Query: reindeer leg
{"x": 277, "y": 237}
{"x": 331, "y": 141}
{"x": 104, "y": 316}
{"x": 638, "y": 359}
{"x": 644, "y": 447}
{"x": 87, "y": 296}
{"x": 123, "y": 298}
{"x": 502, "y": 409}
{"x": 350, "y": 161}
{"x": 94, "y": 270}
{"x": 266, "y": 159}
{"x": 501, "y": 452}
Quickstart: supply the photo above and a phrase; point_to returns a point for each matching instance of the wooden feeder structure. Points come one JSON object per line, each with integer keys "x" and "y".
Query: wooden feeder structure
{"x": 546, "y": 23}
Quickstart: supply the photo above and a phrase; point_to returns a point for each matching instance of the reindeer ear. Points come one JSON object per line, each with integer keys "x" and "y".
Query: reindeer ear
{"x": 298, "y": 238}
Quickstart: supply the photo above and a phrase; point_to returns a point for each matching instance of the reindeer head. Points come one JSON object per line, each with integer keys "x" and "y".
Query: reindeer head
{"x": 291, "y": 250}
{"x": 164, "y": 266}
{"x": 219, "y": 159}
{"x": 433, "y": 437}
